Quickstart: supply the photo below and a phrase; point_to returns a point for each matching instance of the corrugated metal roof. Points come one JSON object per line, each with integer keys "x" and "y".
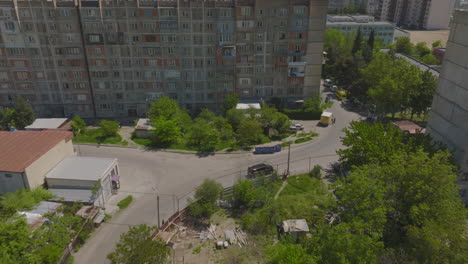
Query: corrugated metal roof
{"x": 19, "y": 149}
{"x": 47, "y": 123}
{"x": 144, "y": 124}
{"x": 81, "y": 168}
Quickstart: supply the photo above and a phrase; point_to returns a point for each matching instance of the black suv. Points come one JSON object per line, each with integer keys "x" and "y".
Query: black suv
{"x": 259, "y": 169}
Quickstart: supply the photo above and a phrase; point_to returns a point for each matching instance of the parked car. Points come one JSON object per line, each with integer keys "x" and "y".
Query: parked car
{"x": 296, "y": 127}
{"x": 267, "y": 150}
{"x": 259, "y": 169}
{"x": 334, "y": 88}
{"x": 327, "y": 82}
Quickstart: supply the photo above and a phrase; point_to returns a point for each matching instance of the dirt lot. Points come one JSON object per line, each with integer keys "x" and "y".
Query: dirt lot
{"x": 190, "y": 249}
{"x": 429, "y": 36}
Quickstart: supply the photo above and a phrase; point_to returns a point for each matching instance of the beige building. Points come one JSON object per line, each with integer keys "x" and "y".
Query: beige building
{"x": 416, "y": 14}
{"x": 448, "y": 121}
{"x": 27, "y": 156}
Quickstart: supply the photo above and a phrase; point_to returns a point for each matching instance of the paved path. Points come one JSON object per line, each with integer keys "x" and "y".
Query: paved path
{"x": 174, "y": 177}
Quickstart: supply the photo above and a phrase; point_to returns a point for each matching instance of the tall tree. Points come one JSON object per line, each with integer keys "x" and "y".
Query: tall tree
{"x": 371, "y": 40}
{"x": 231, "y": 101}
{"x": 357, "y": 41}
{"x": 6, "y": 118}
{"x": 24, "y": 114}
{"x": 421, "y": 97}
{"x": 163, "y": 107}
{"x": 78, "y": 125}
{"x": 203, "y": 135}
{"x": 109, "y": 128}
{"x": 138, "y": 246}
{"x": 166, "y": 131}
{"x": 250, "y": 132}
{"x": 404, "y": 45}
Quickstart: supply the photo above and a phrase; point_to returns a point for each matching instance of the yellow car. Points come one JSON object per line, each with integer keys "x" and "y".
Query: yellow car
{"x": 341, "y": 95}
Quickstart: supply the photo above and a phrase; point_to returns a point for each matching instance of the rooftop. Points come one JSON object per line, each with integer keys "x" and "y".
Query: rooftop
{"x": 248, "y": 106}
{"x": 19, "y": 149}
{"x": 47, "y": 123}
{"x": 409, "y": 127}
{"x": 359, "y": 23}
{"x": 295, "y": 225}
{"x": 144, "y": 124}
{"x": 81, "y": 168}
{"x": 73, "y": 195}
{"x": 422, "y": 66}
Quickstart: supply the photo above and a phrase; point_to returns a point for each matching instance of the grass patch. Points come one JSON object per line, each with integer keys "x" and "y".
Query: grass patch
{"x": 124, "y": 203}
{"x": 287, "y": 143}
{"x": 143, "y": 141}
{"x": 310, "y": 134}
{"x": 196, "y": 250}
{"x": 302, "y": 140}
{"x": 407, "y": 116}
{"x": 96, "y": 136}
{"x": 70, "y": 260}
{"x": 107, "y": 217}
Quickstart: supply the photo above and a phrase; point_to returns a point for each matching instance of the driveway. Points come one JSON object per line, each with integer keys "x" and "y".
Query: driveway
{"x": 174, "y": 177}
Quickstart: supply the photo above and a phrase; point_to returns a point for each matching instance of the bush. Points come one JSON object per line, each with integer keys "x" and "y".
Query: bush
{"x": 78, "y": 125}
{"x": 316, "y": 172}
{"x": 109, "y": 128}
{"x": 302, "y": 140}
{"x": 206, "y": 195}
{"x": 124, "y": 203}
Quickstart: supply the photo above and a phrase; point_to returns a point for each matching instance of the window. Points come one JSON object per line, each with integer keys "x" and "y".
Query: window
{"x": 94, "y": 38}
{"x": 148, "y": 12}
{"x": 10, "y": 26}
{"x": 105, "y": 107}
{"x": 225, "y": 12}
{"x": 68, "y": 26}
{"x": 244, "y": 81}
{"x": 245, "y": 11}
{"x": 8, "y": 175}
{"x": 299, "y": 10}
{"x": 283, "y": 11}
{"x": 81, "y": 97}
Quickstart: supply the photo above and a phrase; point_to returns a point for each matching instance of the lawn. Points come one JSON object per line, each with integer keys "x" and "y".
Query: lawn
{"x": 125, "y": 202}
{"x": 407, "y": 116}
{"x": 97, "y": 137}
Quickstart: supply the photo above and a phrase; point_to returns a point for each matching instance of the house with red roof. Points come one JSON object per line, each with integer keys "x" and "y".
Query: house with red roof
{"x": 27, "y": 156}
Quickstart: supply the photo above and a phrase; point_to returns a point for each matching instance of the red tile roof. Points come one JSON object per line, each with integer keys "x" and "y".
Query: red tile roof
{"x": 19, "y": 149}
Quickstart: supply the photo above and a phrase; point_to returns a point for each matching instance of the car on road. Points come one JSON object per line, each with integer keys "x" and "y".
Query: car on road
{"x": 296, "y": 127}
{"x": 259, "y": 169}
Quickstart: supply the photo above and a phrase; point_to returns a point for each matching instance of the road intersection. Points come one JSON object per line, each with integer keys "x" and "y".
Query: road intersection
{"x": 174, "y": 176}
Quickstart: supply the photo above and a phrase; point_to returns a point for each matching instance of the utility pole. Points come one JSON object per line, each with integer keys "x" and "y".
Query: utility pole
{"x": 289, "y": 158}
{"x": 159, "y": 226}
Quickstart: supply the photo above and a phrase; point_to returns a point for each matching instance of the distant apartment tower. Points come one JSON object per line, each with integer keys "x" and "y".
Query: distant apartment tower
{"x": 111, "y": 58}
{"x": 448, "y": 120}
{"x": 369, "y": 6}
{"x": 417, "y": 14}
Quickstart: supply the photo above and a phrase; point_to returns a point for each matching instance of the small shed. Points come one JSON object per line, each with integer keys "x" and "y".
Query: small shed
{"x": 295, "y": 228}
{"x": 35, "y": 217}
{"x": 49, "y": 123}
{"x": 74, "y": 179}
{"x": 409, "y": 127}
{"x": 143, "y": 128}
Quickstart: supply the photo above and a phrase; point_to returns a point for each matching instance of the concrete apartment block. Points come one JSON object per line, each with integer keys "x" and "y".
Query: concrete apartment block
{"x": 448, "y": 120}
{"x": 111, "y": 58}
{"x": 417, "y": 14}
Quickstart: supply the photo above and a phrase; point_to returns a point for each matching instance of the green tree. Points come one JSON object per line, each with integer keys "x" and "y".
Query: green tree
{"x": 357, "y": 41}
{"x": 24, "y": 114}
{"x": 369, "y": 143}
{"x": 430, "y": 59}
{"x": 422, "y": 49}
{"x": 250, "y": 132}
{"x": 404, "y": 45}
{"x": 78, "y": 125}
{"x": 165, "y": 132}
{"x": 313, "y": 103}
{"x": 138, "y": 246}
{"x": 163, "y": 107}
{"x": 235, "y": 117}
{"x": 343, "y": 244}
{"x": 203, "y": 135}
{"x": 6, "y": 118}
{"x": 244, "y": 193}
{"x": 109, "y": 128}
{"x": 230, "y": 102}
{"x": 274, "y": 122}
{"x": 421, "y": 97}
{"x": 288, "y": 253}
{"x": 205, "y": 197}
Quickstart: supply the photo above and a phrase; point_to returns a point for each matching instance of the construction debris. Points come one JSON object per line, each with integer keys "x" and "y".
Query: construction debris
{"x": 212, "y": 230}
{"x": 230, "y": 237}
{"x": 241, "y": 237}
{"x": 219, "y": 244}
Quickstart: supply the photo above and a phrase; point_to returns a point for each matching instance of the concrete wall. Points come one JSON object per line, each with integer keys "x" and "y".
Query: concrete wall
{"x": 37, "y": 170}
{"x": 11, "y": 181}
{"x": 439, "y": 14}
{"x": 448, "y": 120}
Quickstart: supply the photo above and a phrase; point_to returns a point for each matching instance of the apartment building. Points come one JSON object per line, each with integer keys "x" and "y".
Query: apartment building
{"x": 369, "y": 6}
{"x": 418, "y": 14}
{"x": 351, "y": 24}
{"x": 111, "y": 58}
{"x": 448, "y": 121}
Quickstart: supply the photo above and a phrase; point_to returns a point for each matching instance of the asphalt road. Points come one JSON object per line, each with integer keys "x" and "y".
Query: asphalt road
{"x": 174, "y": 177}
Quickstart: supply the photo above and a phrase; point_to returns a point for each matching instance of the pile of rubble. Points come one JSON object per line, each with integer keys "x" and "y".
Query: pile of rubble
{"x": 231, "y": 237}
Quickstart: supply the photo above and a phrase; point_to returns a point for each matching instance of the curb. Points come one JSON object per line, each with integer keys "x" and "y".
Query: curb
{"x": 180, "y": 151}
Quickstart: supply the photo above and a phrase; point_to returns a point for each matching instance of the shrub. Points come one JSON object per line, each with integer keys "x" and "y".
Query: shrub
{"x": 109, "y": 128}
{"x": 23, "y": 199}
{"x": 316, "y": 172}
{"x": 206, "y": 195}
{"x": 78, "y": 125}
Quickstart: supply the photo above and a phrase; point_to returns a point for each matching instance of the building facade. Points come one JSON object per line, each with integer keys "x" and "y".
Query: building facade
{"x": 448, "y": 121}
{"x": 111, "y": 58}
{"x": 417, "y": 14}
{"x": 350, "y": 24}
